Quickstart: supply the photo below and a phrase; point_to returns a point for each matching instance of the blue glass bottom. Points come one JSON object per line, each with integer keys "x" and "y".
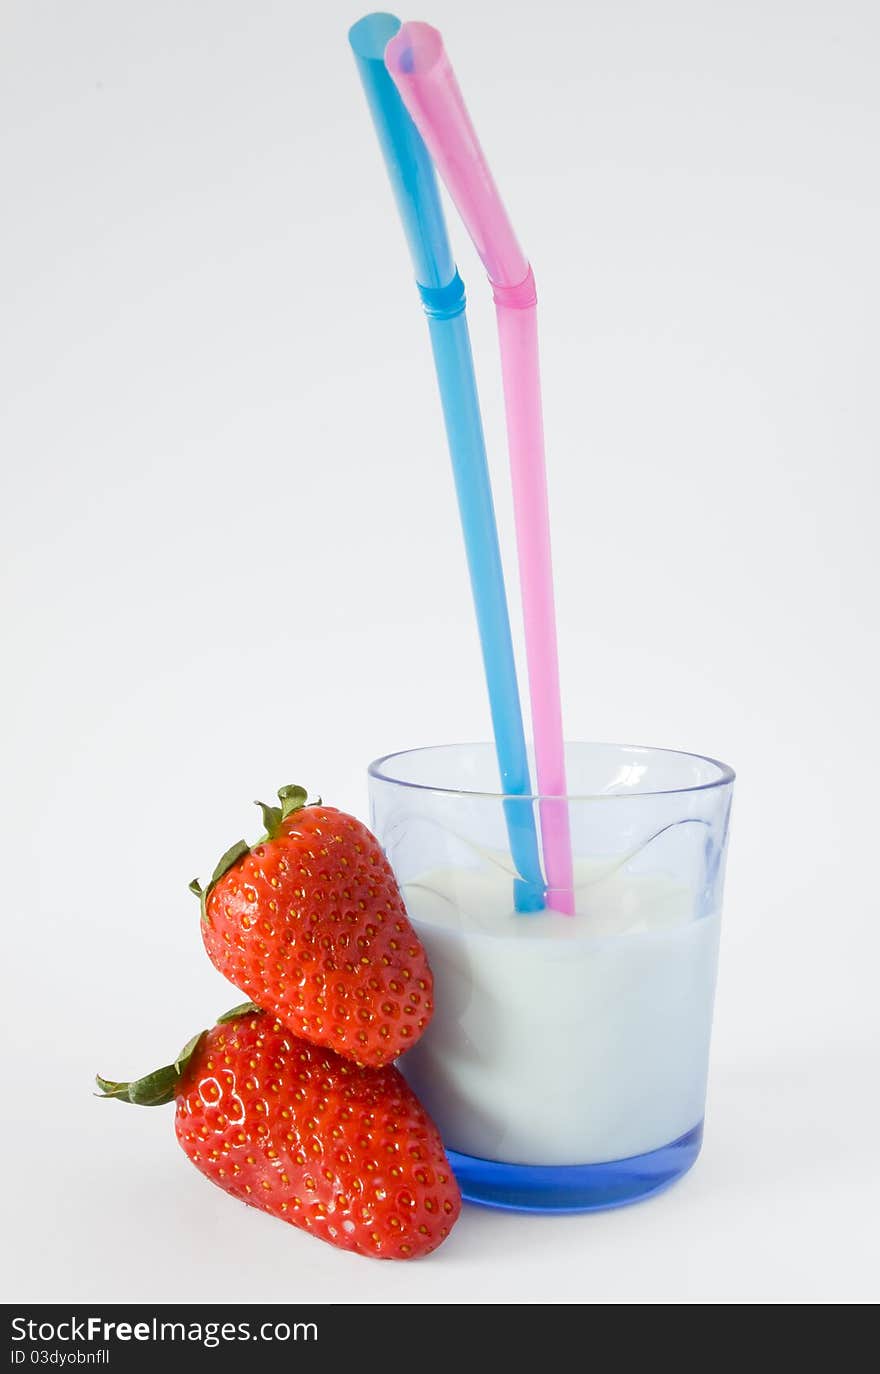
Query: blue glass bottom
{"x": 575, "y": 1187}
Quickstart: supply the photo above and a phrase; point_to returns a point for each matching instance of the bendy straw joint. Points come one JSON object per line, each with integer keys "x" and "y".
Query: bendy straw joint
{"x": 520, "y": 297}
{"x": 443, "y": 302}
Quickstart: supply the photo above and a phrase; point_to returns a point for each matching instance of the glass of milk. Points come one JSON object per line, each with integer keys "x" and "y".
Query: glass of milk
{"x": 567, "y": 1058}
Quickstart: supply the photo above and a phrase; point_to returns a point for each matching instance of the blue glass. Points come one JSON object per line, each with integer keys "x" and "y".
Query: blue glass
{"x": 558, "y": 1039}
{"x": 576, "y": 1187}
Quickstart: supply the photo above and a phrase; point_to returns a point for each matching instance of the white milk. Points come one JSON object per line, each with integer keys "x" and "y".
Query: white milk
{"x": 563, "y": 1040}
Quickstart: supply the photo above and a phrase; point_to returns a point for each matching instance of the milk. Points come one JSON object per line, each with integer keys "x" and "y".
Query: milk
{"x": 563, "y": 1040}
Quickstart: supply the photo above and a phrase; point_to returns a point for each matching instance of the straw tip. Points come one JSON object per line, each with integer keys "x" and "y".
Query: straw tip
{"x": 414, "y": 50}
{"x": 369, "y": 37}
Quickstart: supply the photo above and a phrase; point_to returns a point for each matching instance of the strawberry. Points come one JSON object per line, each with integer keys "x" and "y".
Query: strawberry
{"x": 310, "y": 924}
{"x": 344, "y": 1152}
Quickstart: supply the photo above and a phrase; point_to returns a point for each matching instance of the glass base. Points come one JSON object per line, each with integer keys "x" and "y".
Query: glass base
{"x": 576, "y": 1187}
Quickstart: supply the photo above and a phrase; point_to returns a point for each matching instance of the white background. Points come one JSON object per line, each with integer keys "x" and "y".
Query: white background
{"x": 232, "y": 560}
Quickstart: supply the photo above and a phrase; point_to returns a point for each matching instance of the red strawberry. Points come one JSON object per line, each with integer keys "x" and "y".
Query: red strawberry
{"x": 344, "y": 1152}
{"x": 310, "y": 924}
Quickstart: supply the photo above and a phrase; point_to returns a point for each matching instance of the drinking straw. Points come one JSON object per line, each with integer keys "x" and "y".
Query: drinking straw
{"x": 420, "y": 68}
{"x": 443, "y": 300}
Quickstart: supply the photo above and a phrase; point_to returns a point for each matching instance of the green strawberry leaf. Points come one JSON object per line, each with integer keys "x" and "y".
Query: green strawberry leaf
{"x": 233, "y": 854}
{"x": 188, "y": 1051}
{"x": 111, "y": 1089}
{"x": 156, "y": 1088}
{"x": 292, "y": 799}
{"x": 196, "y": 887}
{"x": 243, "y": 1009}
{"x": 271, "y": 818}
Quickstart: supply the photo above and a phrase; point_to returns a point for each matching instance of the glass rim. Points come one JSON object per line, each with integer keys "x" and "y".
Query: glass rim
{"x": 726, "y": 774}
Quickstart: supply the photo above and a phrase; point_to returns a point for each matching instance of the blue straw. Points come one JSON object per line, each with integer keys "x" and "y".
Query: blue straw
{"x": 442, "y": 291}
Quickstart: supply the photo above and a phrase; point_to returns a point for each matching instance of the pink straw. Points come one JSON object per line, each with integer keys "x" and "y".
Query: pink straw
{"x": 419, "y": 67}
